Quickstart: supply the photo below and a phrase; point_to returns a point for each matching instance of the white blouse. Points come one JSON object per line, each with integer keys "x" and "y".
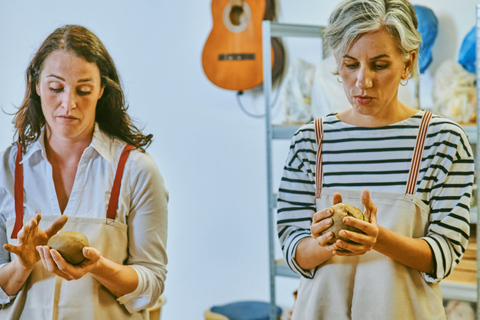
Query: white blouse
{"x": 142, "y": 205}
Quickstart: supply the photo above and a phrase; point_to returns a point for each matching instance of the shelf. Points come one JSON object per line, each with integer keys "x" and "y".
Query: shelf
{"x": 459, "y": 291}
{"x": 295, "y": 30}
{"x": 471, "y": 131}
{"x": 281, "y": 269}
{"x": 450, "y": 290}
{"x": 282, "y": 132}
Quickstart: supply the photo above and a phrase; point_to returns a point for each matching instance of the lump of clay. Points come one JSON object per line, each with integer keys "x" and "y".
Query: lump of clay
{"x": 70, "y": 245}
{"x": 340, "y": 211}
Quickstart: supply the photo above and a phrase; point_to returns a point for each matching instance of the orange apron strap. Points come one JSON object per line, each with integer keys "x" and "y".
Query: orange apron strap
{"x": 318, "y": 165}
{"x": 117, "y": 182}
{"x": 18, "y": 185}
{"x": 417, "y": 153}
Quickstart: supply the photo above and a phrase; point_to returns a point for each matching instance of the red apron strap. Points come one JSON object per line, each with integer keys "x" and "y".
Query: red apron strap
{"x": 318, "y": 166}
{"x": 417, "y": 153}
{"x": 117, "y": 183}
{"x": 18, "y": 193}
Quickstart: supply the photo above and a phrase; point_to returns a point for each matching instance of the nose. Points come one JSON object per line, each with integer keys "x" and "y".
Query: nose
{"x": 68, "y": 102}
{"x": 364, "y": 79}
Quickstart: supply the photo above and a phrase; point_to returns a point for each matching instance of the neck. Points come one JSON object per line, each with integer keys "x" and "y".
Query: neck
{"x": 63, "y": 150}
{"x": 389, "y": 116}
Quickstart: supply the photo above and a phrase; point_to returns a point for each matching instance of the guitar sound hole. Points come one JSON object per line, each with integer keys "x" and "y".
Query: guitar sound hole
{"x": 236, "y": 15}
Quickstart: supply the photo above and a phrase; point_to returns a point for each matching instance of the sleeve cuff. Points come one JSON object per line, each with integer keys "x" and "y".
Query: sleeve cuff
{"x": 292, "y": 262}
{"x": 147, "y": 293}
{"x": 5, "y": 298}
{"x": 440, "y": 261}
{"x": 134, "y": 301}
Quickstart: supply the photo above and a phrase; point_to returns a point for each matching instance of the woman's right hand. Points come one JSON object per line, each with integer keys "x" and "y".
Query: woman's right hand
{"x": 31, "y": 236}
{"x": 321, "y": 221}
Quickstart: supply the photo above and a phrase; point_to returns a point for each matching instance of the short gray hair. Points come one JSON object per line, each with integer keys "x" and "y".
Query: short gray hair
{"x": 354, "y": 18}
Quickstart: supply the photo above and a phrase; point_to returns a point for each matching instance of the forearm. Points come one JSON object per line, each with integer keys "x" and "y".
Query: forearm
{"x": 310, "y": 253}
{"x": 414, "y": 253}
{"x": 13, "y": 276}
{"x": 118, "y": 279}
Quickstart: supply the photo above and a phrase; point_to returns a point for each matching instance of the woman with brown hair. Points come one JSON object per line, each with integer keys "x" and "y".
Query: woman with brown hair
{"x": 79, "y": 164}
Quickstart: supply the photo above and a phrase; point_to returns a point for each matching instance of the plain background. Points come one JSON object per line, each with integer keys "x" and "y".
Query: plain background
{"x": 211, "y": 155}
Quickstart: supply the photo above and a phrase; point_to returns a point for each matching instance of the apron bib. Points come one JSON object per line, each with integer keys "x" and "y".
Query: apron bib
{"x": 47, "y": 296}
{"x": 373, "y": 286}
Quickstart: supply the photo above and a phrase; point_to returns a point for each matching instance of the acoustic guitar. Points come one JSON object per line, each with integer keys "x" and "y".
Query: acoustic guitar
{"x": 232, "y": 54}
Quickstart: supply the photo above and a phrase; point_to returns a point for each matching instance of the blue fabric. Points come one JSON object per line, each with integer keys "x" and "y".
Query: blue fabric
{"x": 428, "y": 28}
{"x": 245, "y": 310}
{"x": 468, "y": 52}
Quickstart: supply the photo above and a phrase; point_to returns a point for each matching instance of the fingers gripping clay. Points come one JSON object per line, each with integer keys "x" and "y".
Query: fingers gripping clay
{"x": 340, "y": 211}
{"x": 69, "y": 244}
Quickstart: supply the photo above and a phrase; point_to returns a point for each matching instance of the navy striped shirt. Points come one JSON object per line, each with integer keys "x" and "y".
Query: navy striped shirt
{"x": 379, "y": 159}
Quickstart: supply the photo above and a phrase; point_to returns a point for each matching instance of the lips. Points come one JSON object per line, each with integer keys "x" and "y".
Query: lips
{"x": 67, "y": 117}
{"x": 363, "y": 99}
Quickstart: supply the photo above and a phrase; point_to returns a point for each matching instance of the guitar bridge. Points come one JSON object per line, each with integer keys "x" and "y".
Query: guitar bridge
{"x": 236, "y": 56}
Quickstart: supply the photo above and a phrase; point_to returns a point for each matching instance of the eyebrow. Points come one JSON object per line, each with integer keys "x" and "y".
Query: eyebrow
{"x": 60, "y": 78}
{"x": 374, "y": 58}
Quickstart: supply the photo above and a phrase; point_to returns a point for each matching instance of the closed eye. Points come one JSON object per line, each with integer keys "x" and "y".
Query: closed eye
{"x": 83, "y": 93}
{"x": 380, "y": 66}
{"x": 351, "y": 65}
{"x": 56, "y": 90}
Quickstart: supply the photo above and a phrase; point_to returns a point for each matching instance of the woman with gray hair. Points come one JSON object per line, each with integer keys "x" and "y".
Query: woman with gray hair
{"x": 411, "y": 172}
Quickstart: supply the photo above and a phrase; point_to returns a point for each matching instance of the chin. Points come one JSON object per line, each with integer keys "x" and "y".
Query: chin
{"x": 366, "y": 110}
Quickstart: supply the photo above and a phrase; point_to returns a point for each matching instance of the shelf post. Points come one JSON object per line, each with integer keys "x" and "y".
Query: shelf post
{"x": 477, "y": 158}
{"x": 267, "y": 91}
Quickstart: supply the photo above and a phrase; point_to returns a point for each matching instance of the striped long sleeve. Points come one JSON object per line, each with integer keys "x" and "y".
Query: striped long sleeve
{"x": 379, "y": 159}
{"x": 296, "y": 196}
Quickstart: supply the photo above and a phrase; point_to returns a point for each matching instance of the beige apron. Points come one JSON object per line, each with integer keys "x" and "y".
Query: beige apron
{"x": 46, "y": 296}
{"x": 373, "y": 286}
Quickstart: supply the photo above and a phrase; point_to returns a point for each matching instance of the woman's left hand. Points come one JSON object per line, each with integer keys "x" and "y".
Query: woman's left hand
{"x": 54, "y": 262}
{"x": 362, "y": 242}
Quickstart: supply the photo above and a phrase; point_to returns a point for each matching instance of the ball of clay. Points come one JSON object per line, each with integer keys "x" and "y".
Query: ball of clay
{"x": 69, "y": 244}
{"x": 340, "y": 211}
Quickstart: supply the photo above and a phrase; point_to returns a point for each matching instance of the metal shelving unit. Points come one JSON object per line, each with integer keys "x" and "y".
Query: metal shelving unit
{"x": 273, "y": 29}
{"x": 477, "y": 165}
{"x": 278, "y": 268}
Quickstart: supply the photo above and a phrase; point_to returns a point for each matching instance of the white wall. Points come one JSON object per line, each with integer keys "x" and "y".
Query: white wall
{"x": 211, "y": 154}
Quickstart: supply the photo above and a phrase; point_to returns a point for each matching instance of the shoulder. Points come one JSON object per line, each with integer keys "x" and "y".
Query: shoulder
{"x": 440, "y": 125}
{"x": 444, "y": 128}
{"x": 307, "y": 131}
{"x": 140, "y": 165}
{"x": 449, "y": 135}
{"x": 304, "y": 138}
{"x": 142, "y": 161}
{"x": 144, "y": 176}
{"x": 112, "y": 148}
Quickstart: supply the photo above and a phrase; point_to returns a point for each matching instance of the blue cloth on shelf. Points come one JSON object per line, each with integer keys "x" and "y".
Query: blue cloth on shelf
{"x": 468, "y": 52}
{"x": 245, "y": 310}
{"x": 428, "y": 28}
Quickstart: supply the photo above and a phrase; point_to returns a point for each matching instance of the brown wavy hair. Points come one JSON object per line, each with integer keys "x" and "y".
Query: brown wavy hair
{"x": 111, "y": 111}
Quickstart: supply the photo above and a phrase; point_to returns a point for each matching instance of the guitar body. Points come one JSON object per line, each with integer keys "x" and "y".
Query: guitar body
{"x": 232, "y": 55}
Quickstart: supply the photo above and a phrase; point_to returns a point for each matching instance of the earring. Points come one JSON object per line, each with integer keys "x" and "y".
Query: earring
{"x": 339, "y": 78}
{"x": 406, "y": 82}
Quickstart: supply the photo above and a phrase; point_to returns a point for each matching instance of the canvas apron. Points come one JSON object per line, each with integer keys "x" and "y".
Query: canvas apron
{"x": 46, "y": 296}
{"x": 373, "y": 286}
